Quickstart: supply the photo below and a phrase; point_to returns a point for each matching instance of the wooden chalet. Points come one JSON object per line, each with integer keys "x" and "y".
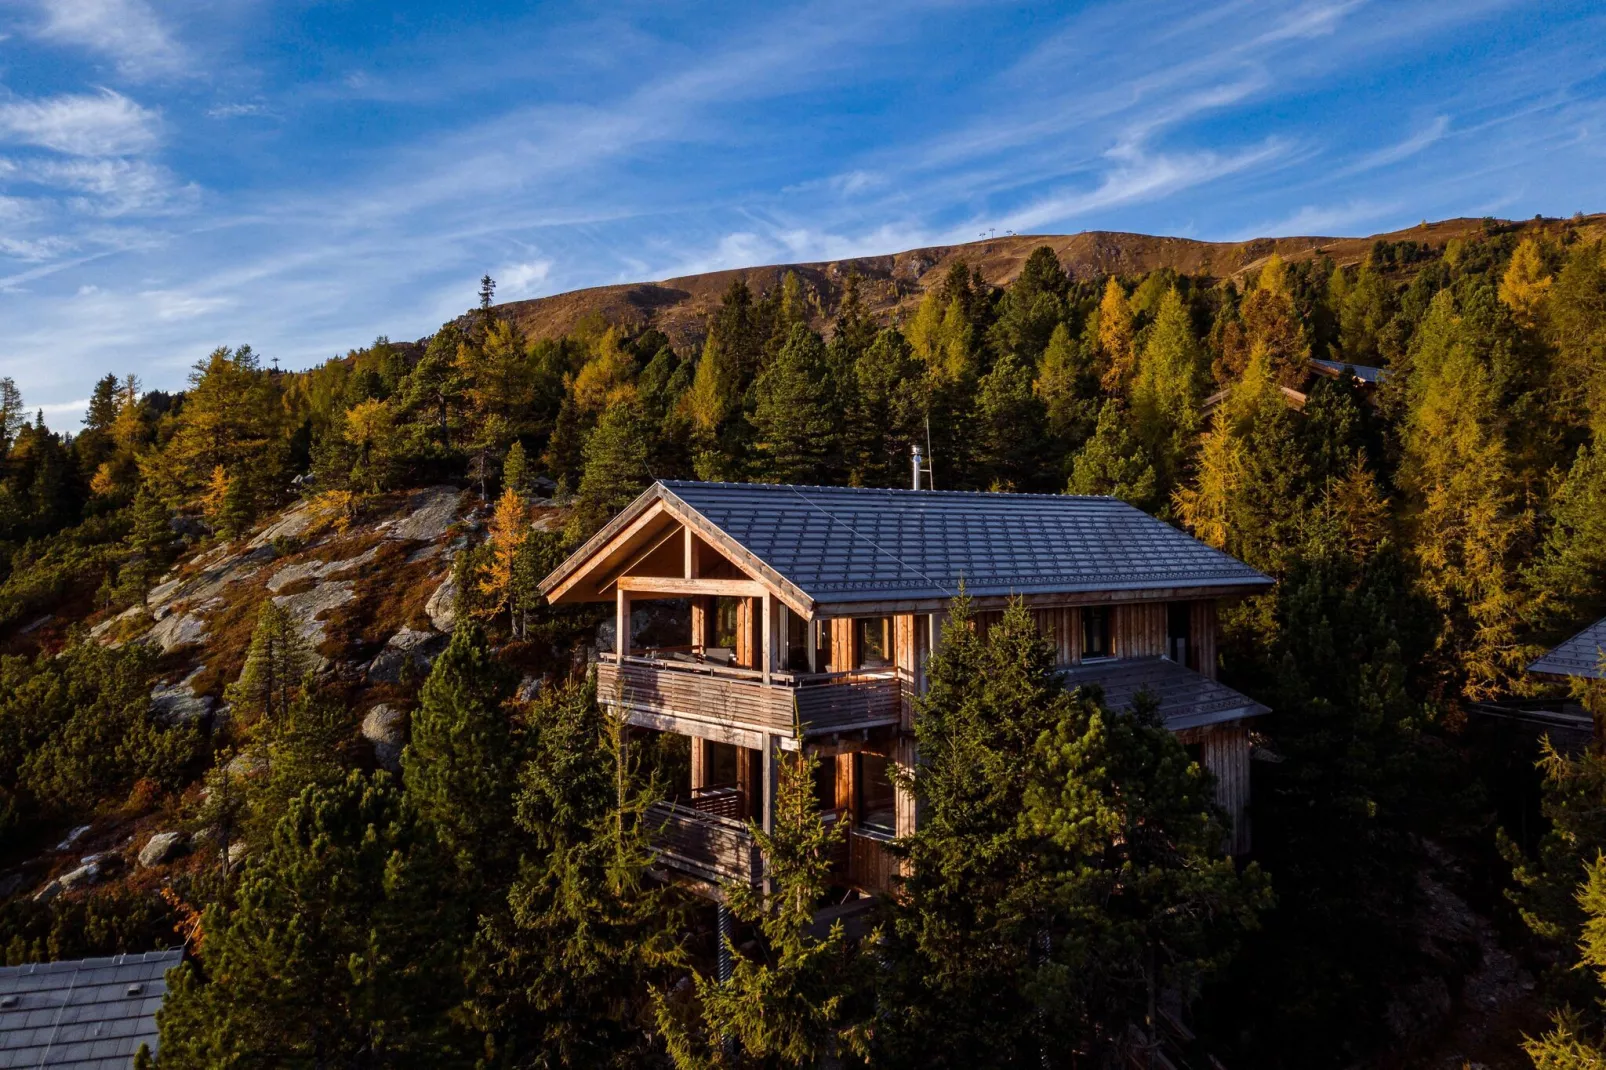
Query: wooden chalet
{"x": 1583, "y": 657}
{"x": 754, "y": 619}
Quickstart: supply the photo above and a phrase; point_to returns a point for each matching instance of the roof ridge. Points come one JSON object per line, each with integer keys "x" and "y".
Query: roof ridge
{"x": 992, "y": 494}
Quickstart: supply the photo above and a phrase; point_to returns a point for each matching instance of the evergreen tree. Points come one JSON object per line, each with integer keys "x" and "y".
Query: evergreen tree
{"x": 516, "y": 473}
{"x": 802, "y": 999}
{"x": 794, "y": 420}
{"x": 276, "y": 665}
{"x": 564, "y": 976}
{"x": 615, "y": 470}
{"x": 1068, "y": 389}
{"x": 1009, "y": 426}
{"x": 890, "y": 413}
{"x": 329, "y": 956}
{"x": 1567, "y": 577}
{"x": 1165, "y": 395}
{"x": 1114, "y": 462}
{"x": 461, "y": 759}
{"x": 1066, "y": 861}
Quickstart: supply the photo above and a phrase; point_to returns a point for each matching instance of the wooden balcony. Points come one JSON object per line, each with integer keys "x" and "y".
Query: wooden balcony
{"x": 703, "y": 844}
{"x": 871, "y": 867}
{"x": 656, "y": 692}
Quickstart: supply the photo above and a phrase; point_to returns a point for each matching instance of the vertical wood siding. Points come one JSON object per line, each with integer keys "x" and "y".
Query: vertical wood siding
{"x": 1062, "y": 626}
{"x": 1139, "y": 630}
{"x": 1226, "y": 755}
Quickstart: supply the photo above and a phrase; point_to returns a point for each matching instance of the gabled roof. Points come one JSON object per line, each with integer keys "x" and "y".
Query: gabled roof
{"x": 837, "y": 546}
{"x": 1583, "y": 655}
{"x": 87, "y": 1014}
{"x": 1187, "y": 699}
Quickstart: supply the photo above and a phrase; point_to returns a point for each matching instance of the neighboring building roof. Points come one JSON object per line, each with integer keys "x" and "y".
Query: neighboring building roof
{"x": 844, "y": 545}
{"x": 1364, "y": 372}
{"x": 1187, "y": 699}
{"x": 87, "y": 1014}
{"x": 1582, "y": 655}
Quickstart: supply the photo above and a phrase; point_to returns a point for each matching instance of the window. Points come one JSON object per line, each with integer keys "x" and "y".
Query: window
{"x": 1095, "y": 632}
{"x": 873, "y": 637}
{"x": 797, "y": 640}
{"x": 1178, "y": 644}
{"x": 721, "y": 769}
{"x": 725, "y": 610}
{"x": 877, "y": 801}
{"x": 825, "y": 782}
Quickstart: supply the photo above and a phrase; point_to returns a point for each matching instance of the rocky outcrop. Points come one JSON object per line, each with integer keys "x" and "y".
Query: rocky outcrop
{"x": 307, "y": 608}
{"x": 385, "y": 726}
{"x": 161, "y": 848}
{"x": 178, "y": 703}
{"x": 317, "y": 570}
{"x": 176, "y": 631}
{"x": 442, "y": 606}
{"x": 427, "y": 517}
{"x": 410, "y": 646}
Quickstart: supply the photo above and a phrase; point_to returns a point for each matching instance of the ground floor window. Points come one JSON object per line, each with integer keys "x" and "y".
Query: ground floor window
{"x": 877, "y": 809}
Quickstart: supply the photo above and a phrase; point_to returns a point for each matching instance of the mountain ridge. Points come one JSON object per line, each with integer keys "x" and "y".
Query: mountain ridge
{"x": 891, "y": 284}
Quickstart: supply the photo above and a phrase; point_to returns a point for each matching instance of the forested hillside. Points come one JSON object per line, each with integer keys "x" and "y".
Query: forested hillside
{"x": 230, "y": 714}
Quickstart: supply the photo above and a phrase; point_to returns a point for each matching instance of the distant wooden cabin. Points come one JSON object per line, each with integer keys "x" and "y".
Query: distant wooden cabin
{"x": 755, "y": 619}
{"x": 1581, "y": 658}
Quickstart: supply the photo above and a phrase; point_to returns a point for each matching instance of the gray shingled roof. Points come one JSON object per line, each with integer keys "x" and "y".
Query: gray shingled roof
{"x": 87, "y": 1014}
{"x": 1187, "y": 700}
{"x": 856, "y": 544}
{"x": 1364, "y": 372}
{"x": 1579, "y": 656}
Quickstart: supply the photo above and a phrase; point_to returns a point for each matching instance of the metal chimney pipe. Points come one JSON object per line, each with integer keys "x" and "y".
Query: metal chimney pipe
{"x": 919, "y": 459}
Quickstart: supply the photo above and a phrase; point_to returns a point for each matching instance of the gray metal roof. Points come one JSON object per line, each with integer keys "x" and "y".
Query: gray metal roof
{"x": 87, "y": 1014}
{"x": 1583, "y": 655}
{"x": 857, "y": 544}
{"x": 1187, "y": 700}
{"x": 1364, "y": 372}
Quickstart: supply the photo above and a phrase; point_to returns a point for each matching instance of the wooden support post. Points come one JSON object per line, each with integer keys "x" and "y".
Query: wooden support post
{"x": 691, "y": 554}
{"x": 767, "y": 653}
{"x": 772, "y": 769}
{"x": 621, "y": 636}
{"x": 699, "y": 763}
{"x": 811, "y": 643}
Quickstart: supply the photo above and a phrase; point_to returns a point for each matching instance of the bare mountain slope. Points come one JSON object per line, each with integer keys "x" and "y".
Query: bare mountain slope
{"x": 893, "y": 283}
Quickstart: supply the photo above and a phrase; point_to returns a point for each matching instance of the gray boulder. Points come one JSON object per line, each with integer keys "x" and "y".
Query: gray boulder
{"x": 385, "y": 727}
{"x": 72, "y": 837}
{"x": 161, "y": 848}
{"x": 174, "y": 704}
{"x": 410, "y": 645}
{"x": 442, "y": 606}
{"x": 429, "y": 514}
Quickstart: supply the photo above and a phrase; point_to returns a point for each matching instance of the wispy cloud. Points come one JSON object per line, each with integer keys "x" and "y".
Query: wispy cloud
{"x": 126, "y": 31}
{"x": 94, "y": 124}
{"x": 1402, "y": 150}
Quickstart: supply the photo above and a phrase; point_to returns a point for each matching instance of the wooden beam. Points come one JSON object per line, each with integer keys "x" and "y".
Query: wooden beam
{"x": 651, "y": 549}
{"x": 691, "y": 553}
{"x": 766, "y": 656}
{"x": 675, "y": 585}
{"x": 582, "y": 568}
{"x": 1046, "y": 600}
{"x": 621, "y": 637}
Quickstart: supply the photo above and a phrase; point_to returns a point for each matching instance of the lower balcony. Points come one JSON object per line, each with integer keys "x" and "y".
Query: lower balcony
{"x": 704, "y": 843}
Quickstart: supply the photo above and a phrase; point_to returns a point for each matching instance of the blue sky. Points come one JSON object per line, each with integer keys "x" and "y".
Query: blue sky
{"x": 305, "y": 176}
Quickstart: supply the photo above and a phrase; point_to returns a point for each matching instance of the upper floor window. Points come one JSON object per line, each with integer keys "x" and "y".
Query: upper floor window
{"x": 1095, "y": 632}
{"x": 1178, "y": 633}
{"x": 872, "y": 636}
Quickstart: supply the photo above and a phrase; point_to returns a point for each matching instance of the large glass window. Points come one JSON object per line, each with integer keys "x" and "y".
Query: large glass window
{"x": 825, "y": 782}
{"x": 721, "y": 759}
{"x": 873, "y": 637}
{"x": 1095, "y": 632}
{"x": 877, "y": 801}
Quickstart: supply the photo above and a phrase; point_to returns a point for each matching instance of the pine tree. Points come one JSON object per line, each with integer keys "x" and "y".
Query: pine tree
{"x": 802, "y": 999}
{"x": 1068, "y": 389}
{"x": 461, "y": 760}
{"x": 516, "y": 473}
{"x": 1165, "y": 395}
{"x": 615, "y": 470}
{"x": 1009, "y": 425}
{"x": 1114, "y": 462}
{"x": 1061, "y": 847}
{"x": 12, "y": 411}
{"x": 564, "y": 976}
{"x": 1567, "y": 578}
{"x": 793, "y": 420}
{"x": 329, "y": 956}
{"x": 276, "y": 666}
{"x": 890, "y": 412}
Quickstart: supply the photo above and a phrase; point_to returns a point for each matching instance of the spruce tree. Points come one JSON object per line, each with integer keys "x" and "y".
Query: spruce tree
{"x": 276, "y": 665}
{"x": 1009, "y": 427}
{"x": 793, "y": 420}
{"x": 564, "y": 975}
{"x": 461, "y": 759}
{"x": 1114, "y": 462}
{"x": 802, "y": 998}
{"x": 1060, "y": 880}
{"x": 615, "y": 470}
{"x": 328, "y": 955}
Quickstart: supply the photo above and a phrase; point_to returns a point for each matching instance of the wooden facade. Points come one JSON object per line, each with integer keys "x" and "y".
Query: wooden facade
{"x": 763, "y": 670}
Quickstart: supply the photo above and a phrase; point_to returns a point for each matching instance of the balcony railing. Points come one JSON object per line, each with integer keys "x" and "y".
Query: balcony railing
{"x": 706, "y": 845}
{"x": 820, "y": 702}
